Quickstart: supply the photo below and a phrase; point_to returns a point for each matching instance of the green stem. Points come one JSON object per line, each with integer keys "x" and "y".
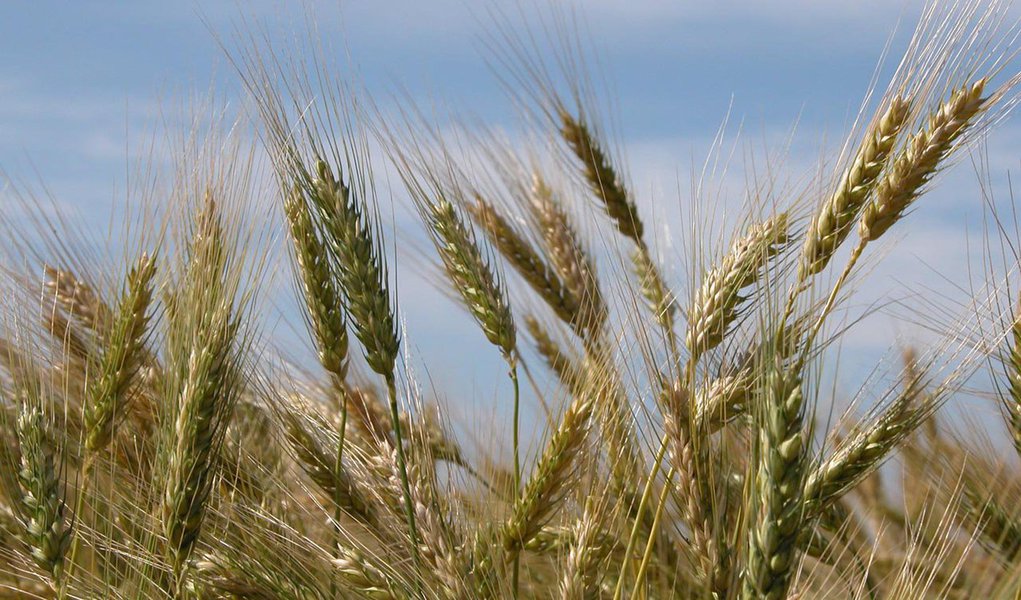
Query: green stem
{"x": 402, "y": 466}
{"x": 646, "y": 494}
{"x": 517, "y": 458}
{"x": 647, "y": 555}
{"x": 338, "y": 478}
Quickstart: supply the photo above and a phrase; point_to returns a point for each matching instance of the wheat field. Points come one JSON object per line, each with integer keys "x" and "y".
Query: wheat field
{"x": 159, "y": 437}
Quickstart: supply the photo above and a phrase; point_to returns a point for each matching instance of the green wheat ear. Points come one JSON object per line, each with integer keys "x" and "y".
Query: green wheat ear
{"x": 122, "y": 357}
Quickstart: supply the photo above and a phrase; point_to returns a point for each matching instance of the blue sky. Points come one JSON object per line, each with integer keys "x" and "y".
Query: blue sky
{"x": 83, "y": 84}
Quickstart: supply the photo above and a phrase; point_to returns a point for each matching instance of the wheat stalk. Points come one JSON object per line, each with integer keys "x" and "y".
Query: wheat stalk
{"x": 715, "y": 306}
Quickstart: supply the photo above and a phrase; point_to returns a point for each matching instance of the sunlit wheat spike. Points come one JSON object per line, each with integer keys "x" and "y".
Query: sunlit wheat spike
{"x": 722, "y": 399}
{"x": 601, "y": 177}
{"x": 363, "y": 278}
{"x": 471, "y": 276}
{"x": 525, "y": 260}
{"x": 777, "y": 516}
{"x": 319, "y": 288}
{"x": 863, "y": 451}
{"x": 361, "y": 575}
{"x": 690, "y": 483}
{"x": 549, "y": 483}
{"x": 42, "y": 500}
{"x": 204, "y": 380}
{"x": 836, "y": 216}
{"x": 715, "y": 306}
{"x": 122, "y": 356}
{"x": 570, "y": 260}
{"x": 920, "y": 159}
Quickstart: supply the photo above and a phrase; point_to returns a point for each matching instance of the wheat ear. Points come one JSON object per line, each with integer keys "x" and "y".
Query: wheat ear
{"x": 777, "y": 488}
{"x": 566, "y": 369}
{"x": 362, "y": 274}
{"x": 570, "y": 260}
{"x": 318, "y": 287}
{"x": 77, "y": 298}
{"x": 607, "y": 185}
{"x": 525, "y": 260}
{"x": 42, "y": 501}
{"x": 920, "y": 160}
{"x": 472, "y": 276}
{"x": 320, "y": 465}
{"x": 834, "y": 221}
{"x": 204, "y": 381}
{"x": 364, "y": 283}
{"x": 861, "y": 454}
{"x": 548, "y": 484}
{"x": 715, "y": 306}
{"x": 602, "y": 177}
{"x": 122, "y": 357}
